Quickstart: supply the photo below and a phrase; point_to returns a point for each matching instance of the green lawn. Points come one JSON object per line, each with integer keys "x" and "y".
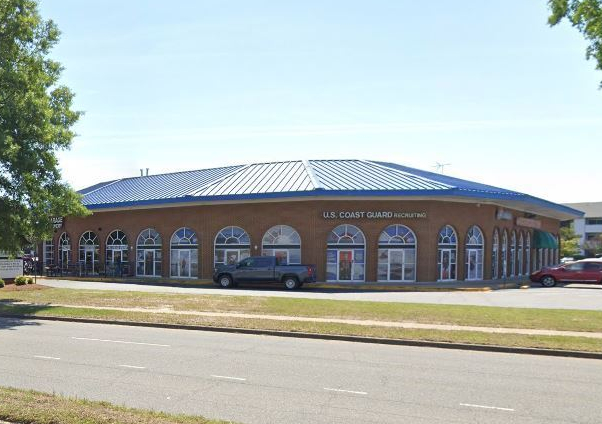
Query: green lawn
{"x": 24, "y": 406}
{"x": 571, "y": 320}
{"x": 550, "y": 319}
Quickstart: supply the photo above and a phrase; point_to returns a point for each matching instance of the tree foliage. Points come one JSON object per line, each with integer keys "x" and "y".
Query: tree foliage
{"x": 35, "y": 122}
{"x": 569, "y": 242}
{"x": 586, "y": 16}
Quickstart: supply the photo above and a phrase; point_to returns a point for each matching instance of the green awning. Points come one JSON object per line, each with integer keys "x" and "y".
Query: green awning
{"x": 544, "y": 240}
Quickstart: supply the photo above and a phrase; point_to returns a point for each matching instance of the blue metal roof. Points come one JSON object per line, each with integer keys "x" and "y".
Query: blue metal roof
{"x": 284, "y": 179}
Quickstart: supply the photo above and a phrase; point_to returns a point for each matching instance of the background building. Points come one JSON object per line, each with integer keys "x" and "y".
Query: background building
{"x": 589, "y": 227}
{"x": 358, "y": 221}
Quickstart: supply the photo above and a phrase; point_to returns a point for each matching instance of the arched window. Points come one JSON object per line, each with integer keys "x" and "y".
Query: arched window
{"x": 528, "y": 254}
{"x": 184, "y": 254}
{"x": 504, "y": 254}
{"x": 397, "y": 254}
{"x": 495, "y": 255}
{"x": 513, "y": 254}
{"x": 283, "y": 242}
{"x": 232, "y": 245}
{"x": 521, "y": 253}
{"x": 148, "y": 253}
{"x": 89, "y": 252}
{"x": 117, "y": 248}
{"x": 474, "y": 253}
{"x": 447, "y": 254}
{"x": 64, "y": 250}
{"x": 345, "y": 254}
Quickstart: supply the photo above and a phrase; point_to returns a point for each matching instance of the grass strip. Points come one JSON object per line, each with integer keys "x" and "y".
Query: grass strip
{"x": 469, "y": 337}
{"x": 481, "y": 316}
{"x": 31, "y": 407}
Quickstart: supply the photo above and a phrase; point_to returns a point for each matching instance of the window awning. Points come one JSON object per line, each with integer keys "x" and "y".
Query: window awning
{"x": 544, "y": 240}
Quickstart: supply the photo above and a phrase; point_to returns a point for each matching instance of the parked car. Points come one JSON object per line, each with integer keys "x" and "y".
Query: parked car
{"x": 583, "y": 271}
{"x": 264, "y": 269}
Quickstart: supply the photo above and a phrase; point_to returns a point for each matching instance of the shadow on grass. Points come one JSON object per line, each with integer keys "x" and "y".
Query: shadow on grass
{"x": 12, "y": 316}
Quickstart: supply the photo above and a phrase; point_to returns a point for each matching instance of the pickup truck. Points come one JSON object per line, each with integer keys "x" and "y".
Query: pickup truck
{"x": 264, "y": 269}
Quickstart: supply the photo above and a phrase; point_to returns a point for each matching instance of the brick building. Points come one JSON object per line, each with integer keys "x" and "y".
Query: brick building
{"x": 358, "y": 221}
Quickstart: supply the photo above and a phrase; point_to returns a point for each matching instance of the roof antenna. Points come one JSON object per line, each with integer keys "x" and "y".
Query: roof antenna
{"x": 141, "y": 172}
{"x": 147, "y": 172}
{"x": 439, "y": 167}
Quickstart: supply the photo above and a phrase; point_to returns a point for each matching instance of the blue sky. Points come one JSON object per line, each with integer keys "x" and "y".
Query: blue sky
{"x": 485, "y": 86}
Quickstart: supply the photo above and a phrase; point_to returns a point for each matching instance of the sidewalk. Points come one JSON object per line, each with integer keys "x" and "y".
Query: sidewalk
{"x": 488, "y": 285}
{"x": 370, "y": 323}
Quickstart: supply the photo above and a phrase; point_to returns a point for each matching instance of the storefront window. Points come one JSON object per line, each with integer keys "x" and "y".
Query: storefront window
{"x": 64, "y": 250}
{"x": 284, "y": 243}
{"x": 397, "y": 254}
{"x": 48, "y": 253}
{"x": 232, "y": 245}
{"x": 521, "y": 253}
{"x": 447, "y": 254}
{"x": 495, "y": 255}
{"x": 528, "y": 254}
{"x": 184, "y": 254}
{"x": 504, "y": 254}
{"x": 345, "y": 254}
{"x": 513, "y": 254}
{"x": 89, "y": 252}
{"x": 474, "y": 253}
{"x": 148, "y": 253}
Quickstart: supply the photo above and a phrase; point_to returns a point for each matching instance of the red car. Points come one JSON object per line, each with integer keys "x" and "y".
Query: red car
{"x": 583, "y": 271}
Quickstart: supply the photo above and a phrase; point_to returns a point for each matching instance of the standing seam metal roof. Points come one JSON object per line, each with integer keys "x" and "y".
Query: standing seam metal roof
{"x": 350, "y": 177}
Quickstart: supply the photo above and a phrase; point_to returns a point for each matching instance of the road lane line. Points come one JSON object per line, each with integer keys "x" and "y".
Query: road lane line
{"x": 470, "y": 405}
{"x": 345, "y": 391}
{"x": 133, "y": 366}
{"x": 120, "y": 341}
{"x": 46, "y": 357}
{"x": 229, "y": 378}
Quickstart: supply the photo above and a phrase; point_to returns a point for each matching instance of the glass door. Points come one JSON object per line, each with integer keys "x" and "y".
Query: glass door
{"x": 345, "y": 264}
{"x": 89, "y": 259}
{"x": 396, "y": 260}
{"x": 447, "y": 270}
{"x": 472, "y": 264}
{"x": 149, "y": 262}
{"x": 281, "y": 256}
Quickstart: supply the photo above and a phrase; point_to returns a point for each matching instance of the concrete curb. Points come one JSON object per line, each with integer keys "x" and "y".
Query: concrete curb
{"x": 355, "y": 339}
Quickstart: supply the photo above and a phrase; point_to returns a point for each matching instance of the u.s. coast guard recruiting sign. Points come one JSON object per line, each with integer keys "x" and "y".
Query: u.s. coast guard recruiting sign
{"x": 372, "y": 215}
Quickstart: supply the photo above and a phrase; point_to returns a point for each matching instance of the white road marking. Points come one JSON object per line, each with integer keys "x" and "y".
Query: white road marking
{"x": 229, "y": 378}
{"x": 120, "y": 341}
{"x": 345, "y": 391}
{"x": 486, "y": 407}
{"x": 133, "y": 366}
{"x": 46, "y": 357}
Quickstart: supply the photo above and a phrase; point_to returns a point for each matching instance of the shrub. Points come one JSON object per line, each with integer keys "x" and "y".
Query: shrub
{"x": 21, "y": 280}
{"x": 1, "y": 283}
{"x": 29, "y": 280}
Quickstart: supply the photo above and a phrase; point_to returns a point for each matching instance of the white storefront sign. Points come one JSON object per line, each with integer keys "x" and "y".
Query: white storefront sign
{"x": 10, "y": 268}
{"x": 373, "y": 215}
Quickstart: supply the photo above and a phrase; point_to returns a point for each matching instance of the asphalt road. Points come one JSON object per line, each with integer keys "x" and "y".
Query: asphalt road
{"x": 573, "y": 296}
{"x": 260, "y": 379}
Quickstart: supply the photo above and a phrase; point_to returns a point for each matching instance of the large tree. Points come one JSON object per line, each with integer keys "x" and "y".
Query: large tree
{"x": 35, "y": 122}
{"x": 586, "y": 16}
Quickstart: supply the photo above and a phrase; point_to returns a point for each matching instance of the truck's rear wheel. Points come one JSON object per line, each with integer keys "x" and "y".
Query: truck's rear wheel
{"x": 225, "y": 281}
{"x": 291, "y": 283}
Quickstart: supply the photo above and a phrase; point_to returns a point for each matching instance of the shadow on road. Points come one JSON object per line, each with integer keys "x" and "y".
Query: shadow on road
{"x": 10, "y": 314}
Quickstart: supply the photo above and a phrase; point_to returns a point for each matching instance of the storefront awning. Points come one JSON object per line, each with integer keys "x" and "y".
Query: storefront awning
{"x": 544, "y": 240}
